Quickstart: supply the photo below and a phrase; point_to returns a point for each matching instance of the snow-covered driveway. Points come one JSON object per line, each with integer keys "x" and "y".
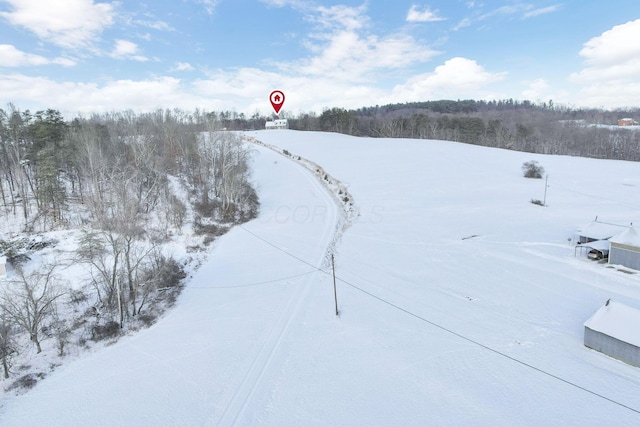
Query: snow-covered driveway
{"x": 215, "y": 353}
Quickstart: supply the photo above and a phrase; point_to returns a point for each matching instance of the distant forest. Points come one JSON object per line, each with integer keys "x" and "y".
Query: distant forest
{"x": 516, "y": 125}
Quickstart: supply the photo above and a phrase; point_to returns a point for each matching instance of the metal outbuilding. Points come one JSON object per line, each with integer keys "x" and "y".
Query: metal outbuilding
{"x": 625, "y": 249}
{"x": 613, "y": 330}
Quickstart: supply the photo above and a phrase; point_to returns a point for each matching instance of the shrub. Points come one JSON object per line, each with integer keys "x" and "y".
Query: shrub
{"x": 201, "y": 227}
{"x": 16, "y": 257}
{"x": 26, "y": 382}
{"x": 170, "y": 274}
{"x": 147, "y": 319}
{"x": 532, "y": 169}
{"x": 163, "y": 273}
{"x": 178, "y": 211}
{"x": 108, "y": 330}
{"x": 208, "y": 208}
{"x": 77, "y": 296}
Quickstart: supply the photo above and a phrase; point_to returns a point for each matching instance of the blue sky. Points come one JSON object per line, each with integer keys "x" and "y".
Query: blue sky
{"x": 83, "y": 56}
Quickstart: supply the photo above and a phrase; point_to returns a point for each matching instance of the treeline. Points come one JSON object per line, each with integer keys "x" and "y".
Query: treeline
{"x": 544, "y": 128}
{"x": 126, "y": 183}
{"x": 522, "y": 126}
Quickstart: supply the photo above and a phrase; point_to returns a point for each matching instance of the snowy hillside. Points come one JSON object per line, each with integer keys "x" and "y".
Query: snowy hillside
{"x": 461, "y": 303}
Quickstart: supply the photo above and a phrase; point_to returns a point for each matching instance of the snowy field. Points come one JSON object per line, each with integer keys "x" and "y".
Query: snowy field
{"x": 461, "y": 303}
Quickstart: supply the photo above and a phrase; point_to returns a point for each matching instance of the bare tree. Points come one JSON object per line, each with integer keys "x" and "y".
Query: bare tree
{"x": 60, "y": 329}
{"x": 8, "y": 344}
{"x": 30, "y": 300}
{"x": 102, "y": 251}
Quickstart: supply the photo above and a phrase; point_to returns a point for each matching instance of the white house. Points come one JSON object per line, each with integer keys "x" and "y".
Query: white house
{"x": 598, "y": 230}
{"x": 277, "y": 124}
{"x": 625, "y": 249}
{"x": 3, "y": 267}
{"x": 613, "y": 330}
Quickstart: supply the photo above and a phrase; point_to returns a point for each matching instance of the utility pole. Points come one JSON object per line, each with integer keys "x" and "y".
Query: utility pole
{"x": 335, "y": 292}
{"x": 546, "y": 179}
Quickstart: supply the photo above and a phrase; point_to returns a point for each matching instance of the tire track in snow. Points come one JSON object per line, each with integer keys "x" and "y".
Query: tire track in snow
{"x": 334, "y": 187}
{"x": 240, "y": 403}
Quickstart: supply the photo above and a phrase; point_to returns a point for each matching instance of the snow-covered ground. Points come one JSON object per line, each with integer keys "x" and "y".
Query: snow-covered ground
{"x": 461, "y": 303}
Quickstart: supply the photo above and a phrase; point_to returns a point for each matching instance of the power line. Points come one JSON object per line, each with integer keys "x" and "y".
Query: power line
{"x": 280, "y": 249}
{"x": 450, "y": 331}
{"x": 256, "y": 283}
{"x": 485, "y": 346}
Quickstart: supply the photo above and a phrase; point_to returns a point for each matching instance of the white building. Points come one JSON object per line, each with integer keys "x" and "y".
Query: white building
{"x": 3, "y": 267}
{"x": 598, "y": 230}
{"x": 613, "y": 330}
{"x": 277, "y": 124}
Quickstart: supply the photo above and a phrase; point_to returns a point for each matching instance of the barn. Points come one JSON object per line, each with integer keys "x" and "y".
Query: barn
{"x": 625, "y": 249}
{"x": 613, "y": 330}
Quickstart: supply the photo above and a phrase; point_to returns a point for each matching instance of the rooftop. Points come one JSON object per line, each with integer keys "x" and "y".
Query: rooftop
{"x": 629, "y": 237}
{"x": 618, "y": 321}
{"x": 601, "y": 230}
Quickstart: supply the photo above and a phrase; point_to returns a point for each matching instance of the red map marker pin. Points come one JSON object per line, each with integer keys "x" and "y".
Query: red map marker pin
{"x": 277, "y": 100}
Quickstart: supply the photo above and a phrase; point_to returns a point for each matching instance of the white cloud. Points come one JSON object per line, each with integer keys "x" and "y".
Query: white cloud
{"x": 155, "y": 25}
{"x": 183, "y": 66}
{"x": 424, "y": 15}
{"x": 347, "y": 56}
{"x": 456, "y": 78}
{"x": 612, "y": 66}
{"x": 525, "y": 10}
{"x": 248, "y": 89}
{"x": 537, "y": 90}
{"x": 614, "y": 46}
{"x": 66, "y": 23}
{"x": 344, "y": 50}
{"x": 12, "y": 57}
{"x": 503, "y": 10}
{"x": 125, "y": 49}
{"x": 74, "y": 97}
{"x": 341, "y": 17}
{"x": 348, "y": 66}
{"x": 209, "y": 5}
{"x": 465, "y": 22}
{"x": 282, "y": 3}
{"x": 542, "y": 11}
{"x": 346, "y": 62}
